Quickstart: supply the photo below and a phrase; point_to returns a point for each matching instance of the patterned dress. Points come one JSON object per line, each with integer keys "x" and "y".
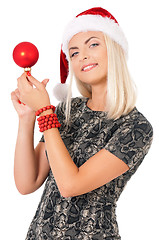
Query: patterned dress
{"x": 91, "y": 216}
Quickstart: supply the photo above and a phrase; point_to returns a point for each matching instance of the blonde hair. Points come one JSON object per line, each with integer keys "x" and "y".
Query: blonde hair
{"x": 121, "y": 90}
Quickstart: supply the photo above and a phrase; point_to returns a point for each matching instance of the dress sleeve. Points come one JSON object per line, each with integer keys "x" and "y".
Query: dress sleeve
{"x": 131, "y": 142}
{"x": 59, "y": 113}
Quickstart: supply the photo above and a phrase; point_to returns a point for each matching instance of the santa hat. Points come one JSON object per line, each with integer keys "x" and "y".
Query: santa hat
{"x": 94, "y": 19}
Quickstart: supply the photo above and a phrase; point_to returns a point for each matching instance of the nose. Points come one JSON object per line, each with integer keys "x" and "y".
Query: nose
{"x": 84, "y": 55}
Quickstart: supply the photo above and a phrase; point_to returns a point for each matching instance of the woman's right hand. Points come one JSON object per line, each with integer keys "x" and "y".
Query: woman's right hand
{"x": 23, "y": 110}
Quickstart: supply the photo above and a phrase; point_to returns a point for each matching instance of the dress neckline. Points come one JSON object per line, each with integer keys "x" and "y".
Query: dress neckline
{"x": 133, "y": 111}
{"x": 89, "y": 109}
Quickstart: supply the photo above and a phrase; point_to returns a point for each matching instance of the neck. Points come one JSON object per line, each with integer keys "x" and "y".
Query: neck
{"x": 98, "y": 100}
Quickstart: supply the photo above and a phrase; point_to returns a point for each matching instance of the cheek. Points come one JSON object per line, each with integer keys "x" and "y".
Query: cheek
{"x": 74, "y": 66}
{"x": 104, "y": 61}
{"x": 105, "y": 64}
{"x": 76, "y": 69}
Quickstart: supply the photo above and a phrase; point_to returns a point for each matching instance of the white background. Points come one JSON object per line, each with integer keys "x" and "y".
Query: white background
{"x": 42, "y": 23}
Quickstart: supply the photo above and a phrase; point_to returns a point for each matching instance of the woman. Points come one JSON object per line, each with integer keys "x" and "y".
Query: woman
{"x": 99, "y": 143}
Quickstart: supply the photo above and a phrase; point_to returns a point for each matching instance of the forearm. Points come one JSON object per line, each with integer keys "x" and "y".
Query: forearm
{"x": 25, "y": 165}
{"x": 61, "y": 163}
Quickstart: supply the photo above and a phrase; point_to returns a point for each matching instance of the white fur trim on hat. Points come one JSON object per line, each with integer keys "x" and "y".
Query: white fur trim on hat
{"x": 60, "y": 91}
{"x": 94, "y": 23}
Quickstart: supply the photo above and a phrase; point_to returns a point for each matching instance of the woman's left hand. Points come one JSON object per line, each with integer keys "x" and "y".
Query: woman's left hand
{"x": 35, "y": 98}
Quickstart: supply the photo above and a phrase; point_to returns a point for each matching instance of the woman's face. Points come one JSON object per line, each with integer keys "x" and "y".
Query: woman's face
{"x": 88, "y": 54}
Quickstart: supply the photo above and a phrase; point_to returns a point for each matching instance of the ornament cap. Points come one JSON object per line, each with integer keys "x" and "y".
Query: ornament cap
{"x": 27, "y": 69}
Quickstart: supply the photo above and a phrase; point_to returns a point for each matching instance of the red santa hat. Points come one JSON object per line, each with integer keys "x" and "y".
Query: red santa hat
{"x": 94, "y": 19}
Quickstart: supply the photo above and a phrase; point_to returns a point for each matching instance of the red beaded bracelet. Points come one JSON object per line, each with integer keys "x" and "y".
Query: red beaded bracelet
{"x": 44, "y": 109}
{"x": 48, "y": 121}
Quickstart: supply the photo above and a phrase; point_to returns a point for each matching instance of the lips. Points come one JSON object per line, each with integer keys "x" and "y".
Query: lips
{"x": 88, "y": 66}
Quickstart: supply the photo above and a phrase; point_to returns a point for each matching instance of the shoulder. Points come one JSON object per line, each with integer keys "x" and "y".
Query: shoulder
{"x": 130, "y": 138}
{"x": 135, "y": 126}
{"x": 136, "y": 119}
{"x": 75, "y": 103}
{"x": 132, "y": 119}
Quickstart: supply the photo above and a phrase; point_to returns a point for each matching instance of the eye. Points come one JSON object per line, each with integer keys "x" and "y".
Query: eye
{"x": 94, "y": 44}
{"x": 73, "y": 54}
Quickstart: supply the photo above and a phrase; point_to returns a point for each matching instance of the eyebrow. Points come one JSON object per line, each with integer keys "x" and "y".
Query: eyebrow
{"x": 84, "y": 42}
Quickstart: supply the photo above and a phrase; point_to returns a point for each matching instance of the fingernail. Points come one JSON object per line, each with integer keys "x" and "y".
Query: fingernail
{"x": 24, "y": 104}
{"x": 28, "y": 73}
{"x": 19, "y": 101}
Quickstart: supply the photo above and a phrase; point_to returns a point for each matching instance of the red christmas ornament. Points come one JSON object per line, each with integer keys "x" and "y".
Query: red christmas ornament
{"x": 25, "y": 55}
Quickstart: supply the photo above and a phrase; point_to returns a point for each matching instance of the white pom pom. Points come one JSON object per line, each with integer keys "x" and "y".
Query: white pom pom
{"x": 60, "y": 91}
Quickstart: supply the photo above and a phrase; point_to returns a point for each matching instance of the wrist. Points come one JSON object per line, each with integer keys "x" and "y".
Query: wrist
{"x": 47, "y": 118}
{"x": 28, "y": 120}
{"x": 49, "y": 111}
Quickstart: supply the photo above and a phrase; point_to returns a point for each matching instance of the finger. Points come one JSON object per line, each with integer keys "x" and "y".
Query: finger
{"x": 45, "y": 81}
{"x": 14, "y": 96}
{"x": 34, "y": 81}
{"x": 23, "y": 83}
{"x": 15, "y": 99}
{"x": 24, "y": 76}
{"x": 17, "y": 92}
